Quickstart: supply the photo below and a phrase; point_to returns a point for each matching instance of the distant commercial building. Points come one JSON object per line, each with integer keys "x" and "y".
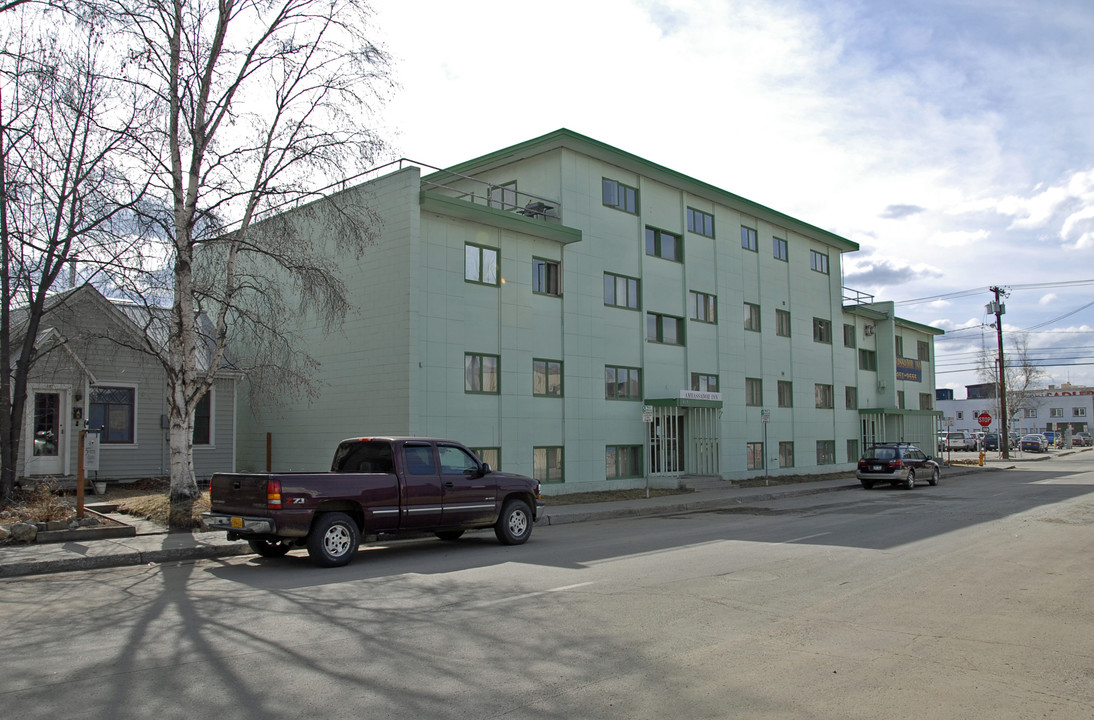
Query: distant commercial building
{"x": 1055, "y": 408}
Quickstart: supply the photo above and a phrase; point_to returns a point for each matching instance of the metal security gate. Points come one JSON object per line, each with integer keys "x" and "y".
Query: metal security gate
{"x": 666, "y": 451}
{"x": 684, "y": 439}
{"x": 702, "y": 426}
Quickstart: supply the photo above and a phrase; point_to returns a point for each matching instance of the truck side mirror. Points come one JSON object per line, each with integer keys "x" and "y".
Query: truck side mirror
{"x": 486, "y": 469}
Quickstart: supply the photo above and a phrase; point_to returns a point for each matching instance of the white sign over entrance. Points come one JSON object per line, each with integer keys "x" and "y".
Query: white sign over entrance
{"x": 700, "y": 395}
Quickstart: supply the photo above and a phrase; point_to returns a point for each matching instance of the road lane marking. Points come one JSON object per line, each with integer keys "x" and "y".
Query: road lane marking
{"x": 806, "y": 537}
{"x": 525, "y": 596}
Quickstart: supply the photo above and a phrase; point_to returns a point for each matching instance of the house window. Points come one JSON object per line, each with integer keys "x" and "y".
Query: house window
{"x": 923, "y": 350}
{"x": 823, "y": 395}
{"x": 924, "y": 401}
{"x": 623, "y": 461}
{"x": 818, "y": 261}
{"x": 961, "y": 414}
{"x": 700, "y": 223}
{"x": 899, "y": 346}
{"x": 848, "y": 335}
{"x": 782, "y": 323}
{"x": 755, "y": 453}
{"x": 748, "y": 238}
{"x": 1056, "y": 412}
{"x": 1031, "y": 412}
{"x": 620, "y": 291}
{"x": 113, "y": 410}
{"x": 547, "y": 464}
{"x": 786, "y": 393}
{"x": 620, "y": 196}
{"x": 786, "y": 454}
{"x": 822, "y": 330}
{"x": 702, "y": 307}
{"x": 754, "y": 392}
{"x": 504, "y": 196}
{"x": 867, "y": 360}
{"x": 480, "y": 264}
{"x": 489, "y": 455}
{"x": 480, "y": 373}
{"x": 900, "y": 399}
{"x": 545, "y": 277}
{"x": 779, "y": 249}
{"x": 622, "y": 383}
{"x": 547, "y": 378}
{"x": 752, "y": 317}
{"x": 704, "y": 383}
{"x": 826, "y": 452}
{"x": 852, "y": 450}
{"x": 850, "y": 397}
{"x": 203, "y": 420}
{"x": 1078, "y": 412}
{"x": 662, "y": 244}
{"x": 664, "y": 329}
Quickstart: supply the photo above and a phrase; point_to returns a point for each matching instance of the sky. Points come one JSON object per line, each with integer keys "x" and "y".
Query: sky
{"x": 953, "y": 140}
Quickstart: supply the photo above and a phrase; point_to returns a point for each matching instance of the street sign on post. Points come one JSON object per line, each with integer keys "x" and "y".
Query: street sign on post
{"x": 984, "y": 419}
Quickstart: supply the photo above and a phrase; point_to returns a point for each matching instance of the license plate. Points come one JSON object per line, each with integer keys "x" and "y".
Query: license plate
{"x": 237, "y": 522}
{"x": 875, "y": 468}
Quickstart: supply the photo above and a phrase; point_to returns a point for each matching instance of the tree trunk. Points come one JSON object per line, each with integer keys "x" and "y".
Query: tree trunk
{"x": 184, "y": 488}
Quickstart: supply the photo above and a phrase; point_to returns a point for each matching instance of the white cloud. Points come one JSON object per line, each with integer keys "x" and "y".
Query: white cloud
{"x": 1049, "y": 299}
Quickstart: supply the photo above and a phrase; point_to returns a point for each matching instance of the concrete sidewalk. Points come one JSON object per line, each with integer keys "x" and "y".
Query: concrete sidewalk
{"x": 154, "y": 545}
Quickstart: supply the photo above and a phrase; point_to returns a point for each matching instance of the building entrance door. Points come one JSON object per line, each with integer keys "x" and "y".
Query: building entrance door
{"x": 667, "y": 442}
{"x": 48, "y": 431}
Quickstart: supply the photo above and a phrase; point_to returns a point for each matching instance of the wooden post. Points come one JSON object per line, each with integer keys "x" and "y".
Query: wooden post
{"x": 80, "y": 477}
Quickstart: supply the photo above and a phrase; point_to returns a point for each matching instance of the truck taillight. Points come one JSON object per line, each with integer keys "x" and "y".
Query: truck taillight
{"x": 273, "y": 494}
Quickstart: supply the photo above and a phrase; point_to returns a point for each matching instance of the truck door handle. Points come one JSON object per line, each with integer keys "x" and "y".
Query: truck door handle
{"x": 450, "y": 484}
{"x": 235, "y": 485}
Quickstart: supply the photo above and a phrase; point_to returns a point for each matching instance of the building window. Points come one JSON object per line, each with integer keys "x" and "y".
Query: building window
{"x": 113, "y": 410}
{"x": 203, "y": 420}
{"x": 547, "y": 378}
{"x": 852, "y": 450}
{"x": 786, "y": 393}
{"x": 622, "y": 383}
{"x": 545, "y": 277}
{"x": 489, "y": 455}
{"x": 664, "y": 329}
{"x": 754, "y": 392}
{"x": 782, "y": 323}
{"x": 961, "y": 414}
{"x": 480, "y": 373}
{"x": 755, "y": 453}
{"x": 786, "y": 454}
{"x": 748, "y": 239}
{"x": 823, "y": 395}
{"x": 480, "y": 264}
{"x": 848, "y": 335}
{"x": 925, "y": 401}
{"x": 867, "y": 360}
{"x": 850, "y": 397}
{"x": 923, "y": 350}
{"x": 1078, "y": 412}
{"x": 620, "y": 291}
{"x": 752, "y": 317}
{"x": 620, "y": 196}
{"x": 899, "y": 346}
{"x": 623, "y": 461}
{"x": 702, "y": 307}
{"x": 818, "y": 261}
{"x": 779, "y": 250}
{"x": 700, "y": 223}
{"x": 1031, "y": 412}
{"x": 826, "y": 452}
{"x": 662, "y": 244}
{"x": 900, "y": 399}
{"x": 704, "y": 383}
{"x": 1056, "y": 412}
{"x": 822, "y": 331}
{"x": 504, "y": 196}
{"x": 547, "y": 464}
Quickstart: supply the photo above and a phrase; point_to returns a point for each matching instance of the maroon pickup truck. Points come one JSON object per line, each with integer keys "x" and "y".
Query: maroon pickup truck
{"x": 376, "y": 486}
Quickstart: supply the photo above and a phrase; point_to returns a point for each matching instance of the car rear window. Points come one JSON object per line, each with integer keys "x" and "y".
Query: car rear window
{"x": 881, "y": 453}
{"x": 363, "y": 457}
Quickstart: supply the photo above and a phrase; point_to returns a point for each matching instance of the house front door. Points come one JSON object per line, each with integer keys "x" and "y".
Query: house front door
{"x": 48, "y": 433}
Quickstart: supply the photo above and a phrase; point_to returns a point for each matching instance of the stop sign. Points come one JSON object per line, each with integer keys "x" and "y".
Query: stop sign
{"x": 984, "y": 419}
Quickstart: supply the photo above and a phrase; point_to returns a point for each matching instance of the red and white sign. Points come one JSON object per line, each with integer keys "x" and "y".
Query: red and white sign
{"x": 984, "y": 419}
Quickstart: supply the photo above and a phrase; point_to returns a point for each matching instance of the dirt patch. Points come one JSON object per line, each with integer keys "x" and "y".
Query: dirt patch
{"x": 147, "y": 499}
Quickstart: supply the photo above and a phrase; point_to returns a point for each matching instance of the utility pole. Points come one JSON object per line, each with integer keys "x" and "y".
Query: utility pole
{"x": 999, "y": 309}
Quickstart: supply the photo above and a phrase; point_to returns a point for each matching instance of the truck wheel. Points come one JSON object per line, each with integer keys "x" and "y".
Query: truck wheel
{"x": 450, "y": 534}
{"x": 515, "y": 524}
{"x": 333, "y": 540}
{"x": 269, "y": 548}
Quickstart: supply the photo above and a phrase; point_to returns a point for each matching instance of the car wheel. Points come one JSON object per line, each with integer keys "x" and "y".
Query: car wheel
{"x": 450, "y": 534}
{"x": 515, "y": 524}
{"x": 935, "y": 474}
{"x": 910, "y": 482}
{"x": 333, "y": 539}
{"x": 867, "y": 484}
{"x": 269, "y": 548}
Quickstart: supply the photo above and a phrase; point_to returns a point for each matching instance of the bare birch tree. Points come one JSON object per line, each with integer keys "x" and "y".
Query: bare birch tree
{"x": 259, "y": 102}
{"x": 67, "y": 131}
{"x": 1023, "y": 376}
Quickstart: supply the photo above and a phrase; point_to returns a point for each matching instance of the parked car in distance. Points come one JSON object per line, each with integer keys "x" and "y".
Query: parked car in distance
{"x": 1015, "y": 438}
{"x": 1034, "y": 443}
{"x": 1083, "y": 439}
{"x": 896, "y": 463}
{"x": 960, "y": 440}
{"x": 991, "y": 441}
{"x": 1050, "y": 436}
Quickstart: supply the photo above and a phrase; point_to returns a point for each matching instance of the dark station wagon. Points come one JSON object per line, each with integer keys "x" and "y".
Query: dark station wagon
{"x": 896, "y": 463}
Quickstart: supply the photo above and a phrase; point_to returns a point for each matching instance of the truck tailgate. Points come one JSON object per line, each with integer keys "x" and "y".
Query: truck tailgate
{"x": 238, "y": 493}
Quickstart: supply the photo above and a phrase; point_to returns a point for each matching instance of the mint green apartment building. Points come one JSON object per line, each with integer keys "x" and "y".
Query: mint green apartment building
{"x": 585, "y": 316}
